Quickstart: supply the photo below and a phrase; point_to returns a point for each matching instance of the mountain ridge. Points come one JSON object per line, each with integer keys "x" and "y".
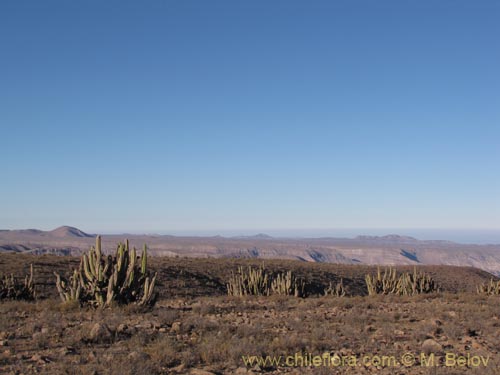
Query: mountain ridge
{"x": 370, "y": 250}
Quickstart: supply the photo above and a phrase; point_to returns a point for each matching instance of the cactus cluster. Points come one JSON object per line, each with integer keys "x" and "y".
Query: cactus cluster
{"x": 287, "y": 284}
{"x": 102, "y": 280}
{"x": 490, "y": 289}
{"x": 337, "y": 290}
{"x": 70, "y": 290}
{"x": 11, "y": 288}
{"x": 253, "y": 281}
{"x": 257, "y": 282}
{"x": 405, "y": 284}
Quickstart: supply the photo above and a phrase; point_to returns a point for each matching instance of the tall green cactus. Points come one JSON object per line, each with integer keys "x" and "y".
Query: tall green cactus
{"x": 105, "y": 280}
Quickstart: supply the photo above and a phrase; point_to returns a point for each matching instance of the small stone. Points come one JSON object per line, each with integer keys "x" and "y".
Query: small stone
{"x": 196, "y": 371}
{"x": 180, "y": 368}
{"x": 65, "y": 350}
{"x": 91, "y": 357}
{"x": 176, "y": 327}
{"x": 122, "y": 328}
{"x": 144, "y": 325}
{"x": 370, "y": 328}
{"x": 431, "y": 346}
{"x": 39, "y": 359}
{"x": 100, "y": 332}
{"x": 138, "y": 356}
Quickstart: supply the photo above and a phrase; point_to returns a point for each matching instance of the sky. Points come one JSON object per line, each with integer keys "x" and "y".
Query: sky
{"x": 178, "y": 116}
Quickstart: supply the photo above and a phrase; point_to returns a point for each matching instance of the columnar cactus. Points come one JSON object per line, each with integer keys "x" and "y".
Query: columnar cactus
{"x": 382, "y": 283}
{"x": 405, "y": 284}
{"x": 105, "y": 280}
{"x": 256, "y": 282}
{"x": 70, "y": 291}
{"x": 490, "y": 289}
{"x": 11, "y": 288}
{"x": 287, "y": 284}
{"x": 337, "y": 290}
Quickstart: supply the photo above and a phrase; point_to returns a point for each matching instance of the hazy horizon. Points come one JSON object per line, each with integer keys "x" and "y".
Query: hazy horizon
{"x": 465, "y": 236}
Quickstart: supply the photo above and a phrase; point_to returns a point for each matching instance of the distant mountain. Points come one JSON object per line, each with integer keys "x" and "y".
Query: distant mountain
{"x": 30, "y": 231}
{"x": 389, "y": 237}
{"x": 391, "y": 249}
{"x": 65, "y": 231}
{"x": 262, "y": 236}
{"x": 259, "y": 236}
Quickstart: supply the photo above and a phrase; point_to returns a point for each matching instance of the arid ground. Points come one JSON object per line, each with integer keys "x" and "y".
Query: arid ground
{"x": 195, "y": 328}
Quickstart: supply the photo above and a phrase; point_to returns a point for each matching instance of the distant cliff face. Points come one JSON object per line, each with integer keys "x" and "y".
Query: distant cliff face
{"x": 382, "y": 250}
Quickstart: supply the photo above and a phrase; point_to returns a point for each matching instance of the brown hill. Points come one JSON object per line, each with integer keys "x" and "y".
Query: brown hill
{"x": 66, "y": 231}
{"x": 181, "y": 277}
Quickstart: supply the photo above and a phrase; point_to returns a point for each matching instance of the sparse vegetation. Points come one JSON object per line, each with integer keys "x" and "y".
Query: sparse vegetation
{"x": 490, "y": 289}
{"x": 337, "y": 290}
{"x": 195, "y": 328}
{"x": 286, "y": 284}
{"x": 103, "y": 281}
{"x": 249, "y": 282}
{"x": 406, "y": 284}
{"x": 12, "y": 288}
{"x": 257, "y": 282}
{"x": 177, "y": 335}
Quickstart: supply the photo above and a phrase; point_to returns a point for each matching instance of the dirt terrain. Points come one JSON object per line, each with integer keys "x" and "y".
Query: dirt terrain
{"x": 195, "y": 328}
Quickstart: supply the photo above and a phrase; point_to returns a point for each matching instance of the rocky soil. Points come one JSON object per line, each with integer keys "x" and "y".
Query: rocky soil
{"x": 209, "y": 335}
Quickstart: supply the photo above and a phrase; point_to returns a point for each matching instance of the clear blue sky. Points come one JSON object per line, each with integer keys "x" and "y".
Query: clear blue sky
{"x": 225, "y": 115}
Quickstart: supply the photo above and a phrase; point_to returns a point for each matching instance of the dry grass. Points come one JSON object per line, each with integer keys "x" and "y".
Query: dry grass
{"x": 213, "y": 333}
